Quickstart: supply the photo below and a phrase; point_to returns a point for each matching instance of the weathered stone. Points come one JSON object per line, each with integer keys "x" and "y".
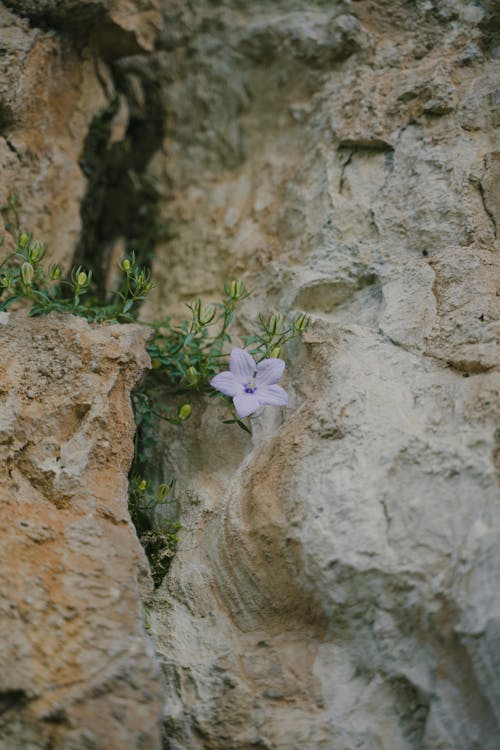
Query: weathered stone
{"x": 335, "y": 581}
{"x": 55, "y": 82}
{"x": 77, "y": 669}
{"x": 120, "y": 26}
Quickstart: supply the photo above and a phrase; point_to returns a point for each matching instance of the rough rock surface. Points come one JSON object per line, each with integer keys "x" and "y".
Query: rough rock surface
{"x": 336, "y": 582}
{"x": 56, "y": 80}
{"x": 336, "y": 585}
{"x": 77, "y": 670}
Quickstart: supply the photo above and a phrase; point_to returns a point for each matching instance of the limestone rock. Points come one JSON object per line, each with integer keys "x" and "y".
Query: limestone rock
{"x": 335, "y": 585}
{"x": 77, "y": 669}
{"x": 122, "y": 26}
{"x": 55, "y": 83}
{"x": 336, "y": 582}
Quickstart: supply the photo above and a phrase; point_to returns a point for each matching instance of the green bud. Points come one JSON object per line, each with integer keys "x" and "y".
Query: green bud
{"x": 162, "y": 492}
{"x": 236, "y": 289}
{"x": 4, "y": 281}
{"x": 192, "y": 375}
{"x": 37, "y": 252}
{"x": 196, "y": 308}
{"x": 142, "y": 276}
{"x": 275, "y": 322}
{"x": 142, "y": 485}
{"x": 301, "y": 323}
{"x": 81, "y": 279}
{"x": 27, "y": 273}
{"x": 125, "y": 264}
{"x": 184, "y": 412}
{"x": 207, "y": 314}
{"x": 23, "y": 240}
{"x": 55, "y": 272}
{"x": 275, "y": 352}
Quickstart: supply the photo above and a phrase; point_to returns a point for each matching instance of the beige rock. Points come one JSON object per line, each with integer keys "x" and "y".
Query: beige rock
{"x": 335, "y": 583}
{"x": 55, "y": 80}
{"x": 77, "y": 669}
{"x": 43, "y": 129}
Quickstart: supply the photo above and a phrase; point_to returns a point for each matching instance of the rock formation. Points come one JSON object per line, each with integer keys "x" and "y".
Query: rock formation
{"x": 65, "y": 119}
{"x": 335, "y": 582}
{"x": 77, "y": 669}
{"x": 335, "y": 586}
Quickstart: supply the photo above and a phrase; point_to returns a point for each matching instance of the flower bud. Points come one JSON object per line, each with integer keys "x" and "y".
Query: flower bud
{"x": 206, "y": 314}
{"x": 196, "y": 308}
{"x": 23, "y": 240}
{"x": 27, "y": 273}
{"x": 162, "y": 492}
{"x": 55, "y": 272}
{"x": 275, "y": 322}
{"x": 184, "y": 412}
{"x": 37, "y": 252}
{"x": 80, "y": 278}
{"x": 275, "y": 353}
{"x": 125, "y": 264}
{"x": 142, "y": 276}
{"x": 142, "y": 281}
{"x": 142, "y": 485}
{"x": 192, "y": 375}
{"x": 301, "y": 323}
{"x": 236, "y": 289}
{"x": 4, "y": 281}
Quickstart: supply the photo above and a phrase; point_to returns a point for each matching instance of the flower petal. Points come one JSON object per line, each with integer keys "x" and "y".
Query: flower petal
{"x": 272, "y": 395}
{"x": 246, "y": 403}
{"x": 226, "y": 383}
{"x": 269, "y": 371}
{"x": 242, "y": 365}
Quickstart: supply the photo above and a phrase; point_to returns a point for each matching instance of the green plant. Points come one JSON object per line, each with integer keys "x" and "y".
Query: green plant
{"x": 185, "y": 357}
{"x": 143, "y": 498}
{"x": 25, "y": 276}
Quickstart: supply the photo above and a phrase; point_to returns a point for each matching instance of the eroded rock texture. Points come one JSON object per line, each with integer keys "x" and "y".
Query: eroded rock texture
{"x": 77, "y": 670}
{"x": 66, "y": 115}
{"x": 336, "y": 583}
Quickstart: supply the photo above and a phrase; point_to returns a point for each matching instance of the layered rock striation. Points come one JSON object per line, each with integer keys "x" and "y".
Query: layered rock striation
{"x": 335, "y": 582}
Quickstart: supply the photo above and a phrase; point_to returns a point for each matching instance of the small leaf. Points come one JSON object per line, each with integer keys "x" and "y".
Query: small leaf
{"x": 7, "y": 302}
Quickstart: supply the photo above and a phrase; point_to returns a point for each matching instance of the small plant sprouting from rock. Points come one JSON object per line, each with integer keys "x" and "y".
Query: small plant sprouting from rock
{"x": 24, "y": 274}
{"x": 159, "y": 542}
{"x": 187, "y": 357}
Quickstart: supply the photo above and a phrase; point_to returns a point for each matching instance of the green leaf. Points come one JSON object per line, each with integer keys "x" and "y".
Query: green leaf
{"x": 4, "y": 305}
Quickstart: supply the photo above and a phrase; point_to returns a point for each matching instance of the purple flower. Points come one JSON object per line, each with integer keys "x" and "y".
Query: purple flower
{"x": 251, "y": 385}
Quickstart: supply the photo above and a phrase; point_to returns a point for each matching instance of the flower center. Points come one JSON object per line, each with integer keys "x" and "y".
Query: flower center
{"x": 250, "y": 388}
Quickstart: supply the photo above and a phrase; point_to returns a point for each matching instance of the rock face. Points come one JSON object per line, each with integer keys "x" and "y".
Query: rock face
{"x": 77, "y": 669}
{"x": 62, "y": 109}
{"x": 335, "y": 585}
